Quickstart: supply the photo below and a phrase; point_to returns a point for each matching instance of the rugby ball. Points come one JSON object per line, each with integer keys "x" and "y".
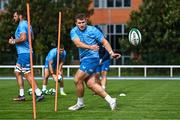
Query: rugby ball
{"x": 46, "y": 92}
{"x": 135, "y": 36}
{"x": 52, "y": 91}
{"x": 59, "y": 78}
{"x": 29, "y": 91}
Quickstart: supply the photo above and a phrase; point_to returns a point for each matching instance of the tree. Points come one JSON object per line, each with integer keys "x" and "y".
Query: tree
{"x": 44, "y": 20}
{"x": 159, "y": 24}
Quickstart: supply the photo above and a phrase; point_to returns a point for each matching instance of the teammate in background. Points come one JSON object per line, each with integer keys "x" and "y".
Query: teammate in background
{"x": 103, "y": 64}
{"x": 23, "y": 60}
{"x": 50, "y": 68}
{"x": 86, "y": 37}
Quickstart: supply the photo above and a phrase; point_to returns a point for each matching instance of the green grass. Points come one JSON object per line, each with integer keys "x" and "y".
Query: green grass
{"x": 145, "y": 100}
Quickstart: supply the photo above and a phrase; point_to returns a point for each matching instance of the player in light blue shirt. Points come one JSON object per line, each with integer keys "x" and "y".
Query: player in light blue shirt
{"x": 86, "y": 38}
{"x": 23, "y": 60}
{"x": 50, "y": 68}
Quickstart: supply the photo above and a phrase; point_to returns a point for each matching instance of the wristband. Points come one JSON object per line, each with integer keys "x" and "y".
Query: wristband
{"x": 110, "y": 52}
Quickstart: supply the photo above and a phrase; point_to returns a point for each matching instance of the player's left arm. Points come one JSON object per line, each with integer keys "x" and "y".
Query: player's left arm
{"x": 61, "y": 67}
{"x": 61, "y": 63}
{"x": 109, "y": 49}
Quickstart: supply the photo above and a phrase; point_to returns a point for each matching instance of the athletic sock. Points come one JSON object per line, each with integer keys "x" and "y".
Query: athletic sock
{"x": 108, "y": 99}
{"x": 43, "y": 87}
{"x": 21, "y": 92}
{"x": 61, "y": 89}
{"x": 38, "y": 92}
{"x": 80, "y": 101}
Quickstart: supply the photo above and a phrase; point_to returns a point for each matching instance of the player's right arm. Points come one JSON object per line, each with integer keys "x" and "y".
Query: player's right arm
{"x": 80, "y": 44}
{"x": 75, "y": 38}
{"x": 109, "y": 49}
{"x": 22, "y": 31}
{"x": 22, "y": 38}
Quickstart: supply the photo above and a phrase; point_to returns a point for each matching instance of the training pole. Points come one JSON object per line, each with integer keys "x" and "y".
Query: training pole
{"x": 57, "y": 66}
{"x": 31, "y": 62}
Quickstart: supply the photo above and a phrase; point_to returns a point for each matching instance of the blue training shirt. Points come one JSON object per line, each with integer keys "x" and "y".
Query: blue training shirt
{"x": 103, "y": 53}
{"x": 22, "y": 47}
{"x": 52, "y": 55}
{"x": 90, "y": 36}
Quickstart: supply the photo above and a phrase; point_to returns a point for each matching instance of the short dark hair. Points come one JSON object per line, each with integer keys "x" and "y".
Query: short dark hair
{"x": 80, "y": 16}
{"x": 21, "y": 12}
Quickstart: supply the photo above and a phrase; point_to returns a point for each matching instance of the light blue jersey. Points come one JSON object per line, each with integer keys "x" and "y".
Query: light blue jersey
{"x": 90, "y": 36}
{"x": 22, "y": 47}
{"x": 52, "y": 56}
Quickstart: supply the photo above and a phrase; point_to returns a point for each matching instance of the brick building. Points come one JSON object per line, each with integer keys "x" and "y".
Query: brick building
{"x": 110, "y": 15}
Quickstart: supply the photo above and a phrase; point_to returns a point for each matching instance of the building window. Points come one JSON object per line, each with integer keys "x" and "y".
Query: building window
{"x": 2, "y": 3}
{"x": 118, "y": 28}
{"x": 112, "y": 3}
{"x": 110, "y": 29}
{"x": 125, "y": 30}
{"x": 114, "y": 33}
{"x": 96, "y": 3}
{"x": 100, "y": 3}
{"x": 127, "y": 3}
{"x": 118, "y": 3}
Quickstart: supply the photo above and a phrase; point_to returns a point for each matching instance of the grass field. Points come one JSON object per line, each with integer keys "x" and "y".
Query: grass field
{"x": 145, "y": 100}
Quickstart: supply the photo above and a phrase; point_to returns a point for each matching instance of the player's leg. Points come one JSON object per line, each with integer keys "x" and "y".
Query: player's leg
{"x": 97, "y": 75}
{"x": 90, "y": 82}
{"x": 45, "y": 80}
{"x": 27, "y": 74}
{"x": 20, "y": 83}
{"x": 87, "y": 74}
{"x": 104, "y": 69}
{"x": 61, "y": 84}
{"x": 80, "y": 76}
{"x": 94, "y": 86}
{"x": 103, "y": 79}
{"x": 38, "y": 92}
{"x": 61, "y": 81}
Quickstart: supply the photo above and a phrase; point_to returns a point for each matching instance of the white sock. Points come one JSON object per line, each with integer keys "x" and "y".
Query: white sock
{"x": 61, "y": 89}
{"x": 104, "y": 87}
{"x": 43, "y": 87}
{"x": 80, "y": 101}
{"x": 38, "y": 92}
{"x": 21, "y": 92}
{"x": 108, "y": 99}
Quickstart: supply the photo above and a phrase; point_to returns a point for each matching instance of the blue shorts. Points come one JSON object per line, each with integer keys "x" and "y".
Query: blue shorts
{"x": 24, "y": 62}
{"x": 89, "y": 65}
{"x": 46, "y": 65}
{"x": 104, "y": 66}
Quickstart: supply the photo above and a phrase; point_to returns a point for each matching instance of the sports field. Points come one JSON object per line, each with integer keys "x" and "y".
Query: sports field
{"x": 145, "y": 100}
